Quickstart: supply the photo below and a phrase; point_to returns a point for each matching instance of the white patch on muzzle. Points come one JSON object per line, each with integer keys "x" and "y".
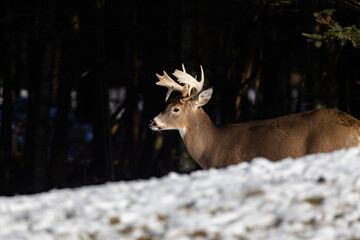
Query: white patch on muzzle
{"x": 161, "y": 126}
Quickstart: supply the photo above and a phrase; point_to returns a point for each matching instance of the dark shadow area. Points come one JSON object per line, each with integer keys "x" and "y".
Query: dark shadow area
{"x": 78, "y": 80}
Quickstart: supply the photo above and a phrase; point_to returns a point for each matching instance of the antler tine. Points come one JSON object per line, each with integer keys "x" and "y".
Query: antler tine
{"x": 202, "y": 77}
{"x": 183, "y": 68}
{"x": 167, "y": 82}
{"x": 187, "y": 79}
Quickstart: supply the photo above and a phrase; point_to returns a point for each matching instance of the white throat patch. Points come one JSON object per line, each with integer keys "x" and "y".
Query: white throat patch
{"x": 182, "y": 132}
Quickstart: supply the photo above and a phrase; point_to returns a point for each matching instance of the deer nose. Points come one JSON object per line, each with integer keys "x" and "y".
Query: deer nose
{"x": 152, "y": 123}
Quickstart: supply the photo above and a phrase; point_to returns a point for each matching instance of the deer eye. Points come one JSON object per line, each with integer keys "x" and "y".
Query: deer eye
{"x": 176, "y": 110}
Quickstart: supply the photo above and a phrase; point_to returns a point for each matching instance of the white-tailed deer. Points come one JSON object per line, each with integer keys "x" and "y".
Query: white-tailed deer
{"x": 210, "y": 145}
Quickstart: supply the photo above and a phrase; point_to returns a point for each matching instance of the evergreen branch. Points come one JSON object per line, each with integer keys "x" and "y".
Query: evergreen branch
{"x": 335, "y": 31}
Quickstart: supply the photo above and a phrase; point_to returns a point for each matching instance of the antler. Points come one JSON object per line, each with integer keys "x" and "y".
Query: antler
{"x": 187, "y": 79}
{"x": 189, "y": 82}
{"x": 167, "y": 82}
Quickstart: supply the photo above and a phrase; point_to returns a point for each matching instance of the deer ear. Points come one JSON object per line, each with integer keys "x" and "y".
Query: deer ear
{"x": 203, "y": 98}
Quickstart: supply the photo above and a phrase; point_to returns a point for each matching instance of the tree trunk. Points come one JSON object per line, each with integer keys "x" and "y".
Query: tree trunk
{"x": 41, "y": 138}
{"x": 68, "y": 75}
{"x": 102, "y": 140}
{"x": 5, "y": 141}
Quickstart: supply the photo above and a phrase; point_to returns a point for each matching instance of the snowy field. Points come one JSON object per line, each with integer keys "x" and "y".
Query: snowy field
{"x": 314, "y": 197}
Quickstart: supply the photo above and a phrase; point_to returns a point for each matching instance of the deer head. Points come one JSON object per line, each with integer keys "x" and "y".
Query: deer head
{"x": 178, "y": 114}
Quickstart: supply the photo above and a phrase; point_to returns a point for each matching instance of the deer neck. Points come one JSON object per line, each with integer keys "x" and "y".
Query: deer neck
{"x": 198, "y": 137}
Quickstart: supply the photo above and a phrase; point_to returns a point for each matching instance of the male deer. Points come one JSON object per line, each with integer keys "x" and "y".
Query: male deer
{"x": 210, "y": 145}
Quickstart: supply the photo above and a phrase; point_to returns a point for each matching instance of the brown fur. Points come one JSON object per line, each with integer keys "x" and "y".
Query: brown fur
{"x": 294, "y": 135}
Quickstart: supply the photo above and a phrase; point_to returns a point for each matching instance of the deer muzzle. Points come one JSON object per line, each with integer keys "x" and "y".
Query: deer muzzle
{"x": 154, "y": 126}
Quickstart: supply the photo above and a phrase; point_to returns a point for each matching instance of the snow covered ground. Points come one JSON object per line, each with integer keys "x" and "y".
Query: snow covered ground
{"x": 314, "y": 197}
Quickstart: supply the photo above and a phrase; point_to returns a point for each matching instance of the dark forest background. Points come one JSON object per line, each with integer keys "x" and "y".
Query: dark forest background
{"x": 78, "y": 78}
